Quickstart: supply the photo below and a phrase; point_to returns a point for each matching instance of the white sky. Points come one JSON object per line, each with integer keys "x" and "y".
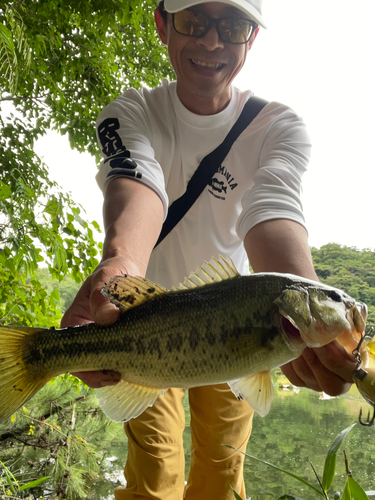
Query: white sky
{"x": 317, "y": 56}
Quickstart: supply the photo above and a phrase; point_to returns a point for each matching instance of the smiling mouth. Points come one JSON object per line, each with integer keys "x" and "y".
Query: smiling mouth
{"x": 205, "y": 64}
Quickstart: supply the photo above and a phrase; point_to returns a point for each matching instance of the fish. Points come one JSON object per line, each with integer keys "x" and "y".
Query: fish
{"x": 217, "y": 326}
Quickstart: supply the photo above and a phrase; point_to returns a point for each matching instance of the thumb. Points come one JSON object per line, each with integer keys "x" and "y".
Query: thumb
{"x": 102, "y": 311}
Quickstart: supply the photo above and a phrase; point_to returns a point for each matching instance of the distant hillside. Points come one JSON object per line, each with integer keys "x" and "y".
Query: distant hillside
{"x": 349, "y": 269}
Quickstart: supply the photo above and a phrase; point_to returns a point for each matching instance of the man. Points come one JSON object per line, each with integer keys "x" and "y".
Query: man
{"x": 152, "y": 142}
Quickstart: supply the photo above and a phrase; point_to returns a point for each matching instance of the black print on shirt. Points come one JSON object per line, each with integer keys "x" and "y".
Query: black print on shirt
{"x": 220, "y": 183}
{"x": 115, "y": 150}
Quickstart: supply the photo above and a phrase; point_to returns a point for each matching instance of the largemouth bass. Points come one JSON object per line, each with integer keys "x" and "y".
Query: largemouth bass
{"x": 215, "y": 327}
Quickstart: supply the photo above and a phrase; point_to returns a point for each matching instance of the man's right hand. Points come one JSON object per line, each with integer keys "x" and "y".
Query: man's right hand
{"x": 133, "y": 217}
{"x": 90, "y": 305}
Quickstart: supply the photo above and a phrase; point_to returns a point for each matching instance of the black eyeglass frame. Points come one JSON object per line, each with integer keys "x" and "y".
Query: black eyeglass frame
{"x": 212, "y": 21}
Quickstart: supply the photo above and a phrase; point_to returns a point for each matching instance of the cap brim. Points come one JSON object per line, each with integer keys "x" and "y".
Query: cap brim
{"x": 242, "y": 5}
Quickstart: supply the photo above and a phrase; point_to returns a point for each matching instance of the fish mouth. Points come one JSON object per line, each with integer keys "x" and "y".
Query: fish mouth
{"x": 291, "y": 334}
{"x": 290, "y": 330}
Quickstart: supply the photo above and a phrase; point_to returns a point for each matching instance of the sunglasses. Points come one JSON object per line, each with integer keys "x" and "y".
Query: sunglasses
{"x": 230, "y": 29}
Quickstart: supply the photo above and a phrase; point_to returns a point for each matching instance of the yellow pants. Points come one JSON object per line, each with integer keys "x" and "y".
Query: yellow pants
{"x": 155, "y": 468}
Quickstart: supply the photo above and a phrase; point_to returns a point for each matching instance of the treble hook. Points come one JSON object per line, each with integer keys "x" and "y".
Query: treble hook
{"x": 370, "y": 421}
{"x": 356, "y": 352}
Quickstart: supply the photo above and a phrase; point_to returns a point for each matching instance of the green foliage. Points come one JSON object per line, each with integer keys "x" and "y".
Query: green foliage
{"x": 60, "y": 64}
{"x": 38, "y": 223}
{"x": 62, "y": 434}
{"x": 15, "y": 55}
{"x": 81, "y": 54}
{"x": 67, "y": 288}
{"x": 352, "y": 490}
{"x": 349, "y": 269}
{"x": 330, "y": 463}
{"x": 14, "y": 487}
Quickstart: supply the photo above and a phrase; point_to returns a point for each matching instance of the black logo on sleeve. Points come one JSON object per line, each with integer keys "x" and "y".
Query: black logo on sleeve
{"x": 117, "y": 154}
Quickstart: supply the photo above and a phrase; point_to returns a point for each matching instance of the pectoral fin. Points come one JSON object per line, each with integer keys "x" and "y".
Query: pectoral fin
{"x": 256, "y": 389}
{"x": 124, "y": 401}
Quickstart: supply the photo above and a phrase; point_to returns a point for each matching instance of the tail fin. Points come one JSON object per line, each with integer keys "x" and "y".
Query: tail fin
{"x": 17, "y": 383}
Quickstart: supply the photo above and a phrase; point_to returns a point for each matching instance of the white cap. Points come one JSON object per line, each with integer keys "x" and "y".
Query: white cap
{"x": 253, "y": 8}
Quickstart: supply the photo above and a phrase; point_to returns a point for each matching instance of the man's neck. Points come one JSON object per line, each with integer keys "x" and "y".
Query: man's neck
{"x": 203, "y": 105}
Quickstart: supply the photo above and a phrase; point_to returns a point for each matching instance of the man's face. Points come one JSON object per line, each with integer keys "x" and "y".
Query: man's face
{"x": 204, "y": 67}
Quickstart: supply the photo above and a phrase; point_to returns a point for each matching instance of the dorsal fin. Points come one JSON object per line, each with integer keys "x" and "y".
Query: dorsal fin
{"x": 210, "y": 272}
{"x": 129, "y": 291}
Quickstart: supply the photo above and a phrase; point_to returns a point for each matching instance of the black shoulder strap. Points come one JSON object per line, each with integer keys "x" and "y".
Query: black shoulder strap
{"x": 209, "y": 166}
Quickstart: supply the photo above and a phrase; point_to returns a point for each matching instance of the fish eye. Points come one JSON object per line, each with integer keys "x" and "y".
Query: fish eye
{"x": 332, "y": 294}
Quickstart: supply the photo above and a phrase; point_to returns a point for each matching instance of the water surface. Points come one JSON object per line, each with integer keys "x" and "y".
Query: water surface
{"x": 299, "y": 428}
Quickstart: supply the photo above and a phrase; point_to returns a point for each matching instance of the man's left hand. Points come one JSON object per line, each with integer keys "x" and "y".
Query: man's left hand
{"x": 329, "y": 369}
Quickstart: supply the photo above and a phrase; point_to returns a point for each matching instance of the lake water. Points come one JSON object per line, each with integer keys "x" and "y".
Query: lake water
{"x": 299, "y": 428}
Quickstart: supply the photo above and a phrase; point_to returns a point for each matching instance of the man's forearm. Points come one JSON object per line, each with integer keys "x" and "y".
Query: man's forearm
{"x": 280, "y": 245}
{"x": 133, "y": 217}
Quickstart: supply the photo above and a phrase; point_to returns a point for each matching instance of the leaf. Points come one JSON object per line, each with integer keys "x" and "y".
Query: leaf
{"x": 330, "y": 463}
{"x": 8, "y": 57}
{"x": 346, "y": 494}
{"x": 33, "y": 484}
{"x": 236, "y": 495}
{"x": 5, "y": 191}
{"x": 306, "y": 483}
{"x": 10, "y": 477}
{"x": 357, "y": 492}
{"x": 10, "y": 483}
{"x": 96, "y": 226}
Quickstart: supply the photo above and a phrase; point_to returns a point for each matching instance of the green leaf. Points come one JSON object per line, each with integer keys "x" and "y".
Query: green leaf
{"x": 8, "y": 57}
{"x": 306, "y": 483}
{"x": 10, "y": 484}
{"x": 96, "y": 226}
{"x": 5, "y": 191}
{"x": 330, "y": 463}
{"x": 357, "y": 492}
{"x": 10, "y": 478}
{"x": 236, "y": 495}
{"x": 33, "y": 484}
{"x": 346, "y": 494}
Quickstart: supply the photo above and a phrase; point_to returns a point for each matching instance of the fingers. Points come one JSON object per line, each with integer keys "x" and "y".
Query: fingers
{"x": 97, "y": 379}
{"x": 329, "y": 369}
{"x": 102, "y": 311}
{"x": 290, "y": 371}
{"x": 91, "y": 305}
{"x": 79, "y": 312}
{"x": 334, "y": 358}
